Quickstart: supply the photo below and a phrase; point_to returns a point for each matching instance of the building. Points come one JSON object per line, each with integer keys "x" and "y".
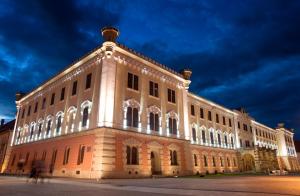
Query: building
{"x": 6, "y": 131}
{"x": 297, "y": 146}
{"x": 118, "y": 114}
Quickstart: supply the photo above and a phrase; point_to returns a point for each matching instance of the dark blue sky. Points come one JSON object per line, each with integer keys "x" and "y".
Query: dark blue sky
{"x": 242, "y": 53}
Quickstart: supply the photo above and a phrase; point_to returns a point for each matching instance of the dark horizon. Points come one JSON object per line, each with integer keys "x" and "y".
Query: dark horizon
{"x": 244, "y": 54}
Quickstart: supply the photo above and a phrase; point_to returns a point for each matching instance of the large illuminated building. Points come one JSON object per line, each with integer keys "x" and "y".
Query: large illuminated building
{"x": 118, "y": 114}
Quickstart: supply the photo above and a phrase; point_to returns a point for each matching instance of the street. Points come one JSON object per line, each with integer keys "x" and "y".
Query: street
{"x": 238, "y": 185}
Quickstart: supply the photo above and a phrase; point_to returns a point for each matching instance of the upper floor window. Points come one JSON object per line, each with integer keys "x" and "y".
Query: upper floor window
{"x": 132, "y": 155}
{"x": 217, "y": 118}
{"x": 80, "y": 154}
{"x": 49, "y": 127}
{"x": 219, "y": 138}
{"x": 40, "y": 129}
{"x": 62, "y": 93}
{"x": 203, "y": 136}
{"x": 36, "y": 107}
{"x": 239, "y": 126}
{"x": 171, "y": 96}
{"x": 88, "y": 81}
{"x": 132, "y": 117}
{"x": 74, "y": 88}
{"x": 209, "y": 115}
{"x": 31, "y": 131}
{"x": 192, "y": 110}
{"x": 229, "y": 122}
{"x": 23, "y": 113}
{"x": 133, "y": 81}
{"x": 241, "y": 143}
{"x": 58, "y": 124}
{"x": 224, "y": 120}
{"x": 153, "y": 89}
{"x": 211, "y": 138}
{"x": 29, "y": 110}
{"x": 172, "y": 126}
{"x": 52, "y": 99}
{"x": 201, "y": 113}
{"x": 85, "y": 116}
{"x": 225, "y": 139}
{"x": 245, "y": 127}
{"x": 250, "y": 129}
{"x": 173, "y": 157}
{"x": 44, "y": 103}
{"x": 154, "y": 122}
{"x": 194, "y": 134}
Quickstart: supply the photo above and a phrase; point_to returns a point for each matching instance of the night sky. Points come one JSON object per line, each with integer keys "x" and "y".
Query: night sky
{"x": 242, "y": 53}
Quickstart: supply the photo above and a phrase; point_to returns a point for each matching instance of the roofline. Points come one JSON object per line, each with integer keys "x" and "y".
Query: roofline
{"x": 260, "y": 124}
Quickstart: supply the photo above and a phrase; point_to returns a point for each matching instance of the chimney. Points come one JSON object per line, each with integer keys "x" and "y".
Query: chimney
{"x": 110, "y": 34}
{"x": 2, "y": 122}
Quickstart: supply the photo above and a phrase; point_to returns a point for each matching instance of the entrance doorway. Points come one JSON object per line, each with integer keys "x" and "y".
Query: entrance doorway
{"x": 155, "y": 163}
{"x": 248, "y": 162}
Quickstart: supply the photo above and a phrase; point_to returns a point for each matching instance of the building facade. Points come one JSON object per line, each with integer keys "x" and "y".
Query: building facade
{"x": 118, "y": 114}
{"x": 6, "y": 131}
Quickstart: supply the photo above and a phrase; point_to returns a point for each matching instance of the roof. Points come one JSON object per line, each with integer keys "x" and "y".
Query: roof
{"x": 8, "y": 126}
{"x": 297, "y": 145}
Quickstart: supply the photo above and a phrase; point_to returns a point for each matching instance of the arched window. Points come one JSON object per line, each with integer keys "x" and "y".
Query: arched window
{"x": 172, "y": 126}
{"x": 234, "y": 162}
{"x": 195, "y": 160}
{"x": 85, "y": 116}
{"x": 228, "y": 162}
{"x": 173, "y": 157}
{"x": 219, "y": 139}
{"x": 194, "y": 134}
{"x": 132, "y": 117}
{"x": 232, "y": 144}
{"x": 48, "y": 132}
{"x": 225, "y": 138}
{"x": 203, "y": 136}
{"x": 211, "y": 138}
{"x": 39, "y": 130}
{"x": 132, "y": 155}
{"x": 58, "y": 125}
{"x": 214, "y": 161}
{"x": 80, "y": 154}
{"x": 154, "y": 122}
{"x": 205, "y": 161}
{"x": 31, "y": 131}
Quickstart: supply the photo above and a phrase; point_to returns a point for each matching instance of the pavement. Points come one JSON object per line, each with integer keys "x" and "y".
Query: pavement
{"x": 233, "y": 185}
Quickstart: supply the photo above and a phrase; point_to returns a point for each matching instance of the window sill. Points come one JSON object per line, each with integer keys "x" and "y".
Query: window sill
{"x": 133, "y": 90}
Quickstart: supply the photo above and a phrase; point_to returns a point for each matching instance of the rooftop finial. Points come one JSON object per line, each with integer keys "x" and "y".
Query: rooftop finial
{"x": 187, "y": 74}
{"x": 110, "y": 34}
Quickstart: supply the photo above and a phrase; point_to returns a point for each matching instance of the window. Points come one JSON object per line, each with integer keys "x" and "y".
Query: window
{"x": 228, "y": 162}
{"x": 26, "y": 158}
{"x": 66, "y": 156}
{"x": 229, "y": 122}
{"x": 241, "y": 143}
{"x": 58, "y": 125}
{"x": 224, "y": 120}
{"x": 133, "y": 81}
{"x": 221, "y": 161}
{"x": 39, "y": 130}
{"x": 256, "y": 132}
{"x": 132, "y": 117}
{"x": 219, "y": 139}
{"x": 192, "y": 110}
{"x": 53, "y": 159}
{"x": 234, "y": 162}
{"x": 194, "y": 134}
{"x": 31, "y": 131}
{"x": 23, "y": 113}
{"x": 44, "y": 155}
{"x": 171, "y": 96}
{"x": 13, "y": 160}
{"x": 36, "y": 107}
{"x": 172, "y": 126}
{"x": 29, "y": 110}
{"x": 132, "y": 155}
{"x": 203, "y": 136}
{"x": 239, "y": 126}
{"x": 44, "y": 103}
{"x": 154, "y": 122}
{"x": 74, "y": 88}
{"x": 85, "y": 116}
{"x": 205, "y": 161}
{"x": 217, "y": 118}
{"x": 52, "y": 99}
{"x": 225, "y": 138}
{"x": 80, "y": 154}
{"x": 250, "y": 129}
{"x": 62, "y": 93}
{"x": 153, "y": 89}
{"x": 214, "y": 161}
{"x": 247, "y": 143}
{"x": 88, "y": 81}
{"x": 173, "y": 157}
{"x": 211, "y": 138}
{"x": 209, "y": 115}
{"x": 195, "y": 160}
{"x": 48, "y": 127}
{"x": 245, "y": 127}
{"x": 201, "y": 113}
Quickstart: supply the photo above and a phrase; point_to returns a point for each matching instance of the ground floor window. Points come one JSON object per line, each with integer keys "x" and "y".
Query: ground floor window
{"x": 195, "y": 160}
{"x": 66, "y": 156}
{"x": 132, "y": 155}
{"x": 80, "y": 154}
{"x": 173, "y": 157}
